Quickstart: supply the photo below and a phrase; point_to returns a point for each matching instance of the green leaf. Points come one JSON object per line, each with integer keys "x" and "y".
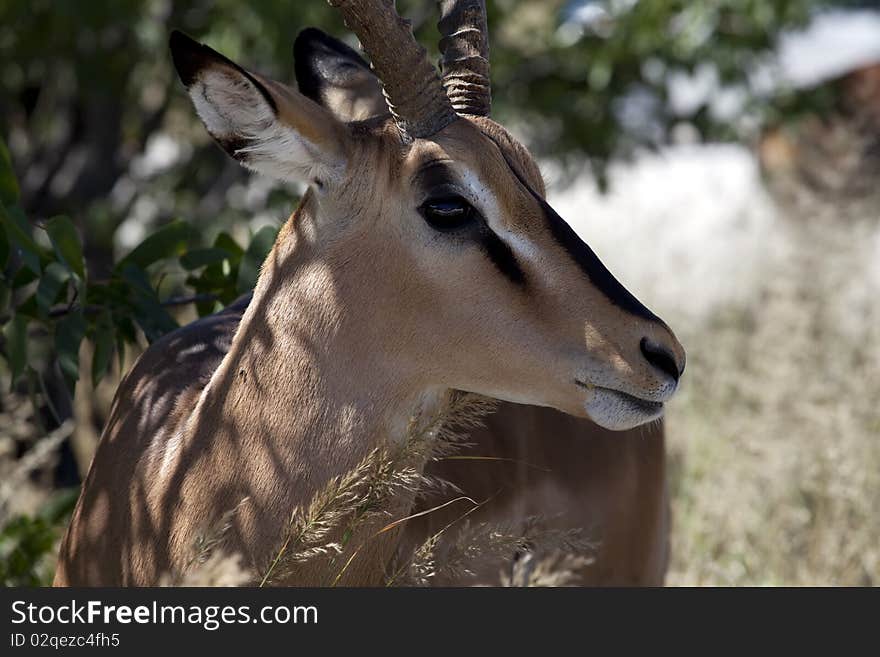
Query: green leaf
{"x": 15, "y": 333}
{"x": 224, "y": 241}
{"x": 5, "y": 297}
{"x": 5, "y": 248}
{"x": 53, "y": 280}
{"x": 253, "y": 258}
{"x": 203, "y": 257}
{"x": 22, "y": 277}
{"x": 120, "y": 350}
{"x": 67, "y": 245}
{"x": 60, "y": 505}
{"x": 167, "y": 242}
{"x": 125, "y": 332}
{"x": 28, "y": 308}
{"x": 148, "y": 312}
{"x": 69, "y": 333}
{"x": 8, "y": 182}
{"x": 19, "y": 233}
{"x": 24, "y": 543}
{"x": 105, "y": 341}
{"x": 205, "y": 308}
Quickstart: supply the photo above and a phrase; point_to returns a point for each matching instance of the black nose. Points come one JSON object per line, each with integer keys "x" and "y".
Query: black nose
{"x": 661, "y": 358}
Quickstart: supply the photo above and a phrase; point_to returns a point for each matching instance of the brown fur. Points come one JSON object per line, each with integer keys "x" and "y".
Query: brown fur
{"x": 362, "y": 315}
{"x": 610, "y": 484}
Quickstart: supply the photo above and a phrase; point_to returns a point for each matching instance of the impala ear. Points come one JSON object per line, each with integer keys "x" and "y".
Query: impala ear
{"x": 263, "y": 124}
{"x": 337, "y": 77}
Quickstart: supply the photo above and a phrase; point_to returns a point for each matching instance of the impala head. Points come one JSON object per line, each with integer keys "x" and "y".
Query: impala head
{"x": 437, "y": 216}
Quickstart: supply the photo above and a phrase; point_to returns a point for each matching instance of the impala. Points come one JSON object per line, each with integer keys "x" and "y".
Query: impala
{"x": 422, "y": 259}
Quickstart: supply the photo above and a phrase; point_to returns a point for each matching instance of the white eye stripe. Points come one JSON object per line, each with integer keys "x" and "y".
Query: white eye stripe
{"x": 488, "y": 205}
{"x": 484, "y": 198}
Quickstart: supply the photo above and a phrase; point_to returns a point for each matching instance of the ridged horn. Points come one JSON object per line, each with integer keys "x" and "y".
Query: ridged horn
{"x": 412, "y": 86}
{"x": 464, "y": 61}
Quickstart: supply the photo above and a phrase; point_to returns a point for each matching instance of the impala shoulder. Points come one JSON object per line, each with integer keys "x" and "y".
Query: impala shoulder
{"x": 175, "y": 366}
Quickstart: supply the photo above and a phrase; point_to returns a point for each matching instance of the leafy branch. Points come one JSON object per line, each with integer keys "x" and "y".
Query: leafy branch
{"x": 50, "y": 302}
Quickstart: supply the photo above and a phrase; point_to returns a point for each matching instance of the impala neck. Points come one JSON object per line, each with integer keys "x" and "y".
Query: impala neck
{"x": 309, "y": 387}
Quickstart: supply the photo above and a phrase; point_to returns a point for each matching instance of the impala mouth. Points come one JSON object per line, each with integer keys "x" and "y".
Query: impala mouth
{"x": 615, "y": 409}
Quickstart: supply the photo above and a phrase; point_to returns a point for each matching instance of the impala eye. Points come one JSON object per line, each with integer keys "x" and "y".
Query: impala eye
{"x": 447, "y": 213}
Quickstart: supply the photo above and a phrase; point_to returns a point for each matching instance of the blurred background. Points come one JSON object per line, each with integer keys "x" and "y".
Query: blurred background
{"x": 721, "y": 156}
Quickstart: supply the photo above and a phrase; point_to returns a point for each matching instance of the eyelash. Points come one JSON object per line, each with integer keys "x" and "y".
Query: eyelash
{"x": 447, "y": 213}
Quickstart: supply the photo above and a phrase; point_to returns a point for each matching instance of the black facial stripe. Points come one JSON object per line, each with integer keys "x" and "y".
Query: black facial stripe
{"x": 589, "y": 262}
{"x": 437, "y": 175}
{"x": 582, "y": 254}
{"x": 501, "y": 255}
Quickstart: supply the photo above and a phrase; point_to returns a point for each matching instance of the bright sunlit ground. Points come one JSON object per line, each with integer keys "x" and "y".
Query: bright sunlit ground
{"x": 775, "y": 438}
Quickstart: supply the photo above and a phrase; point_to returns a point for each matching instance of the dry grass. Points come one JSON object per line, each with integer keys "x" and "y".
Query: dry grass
{"x": 775, "y": 438}
{"x": 776, "y": 441}
{"x": 342, "y": 517}
{"x": 15, "y": 474}
{"x": 527, "y": 554}
{"x": 358, "y": 505}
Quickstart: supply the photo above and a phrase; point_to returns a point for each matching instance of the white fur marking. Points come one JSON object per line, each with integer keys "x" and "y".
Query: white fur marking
{"x": 491, "y": 210}
{"x": 231, "y": 107}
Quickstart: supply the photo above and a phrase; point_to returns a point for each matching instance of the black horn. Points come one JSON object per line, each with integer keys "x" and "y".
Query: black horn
{"x": 464, "y": 61}
{"x": 411, "y": 84}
